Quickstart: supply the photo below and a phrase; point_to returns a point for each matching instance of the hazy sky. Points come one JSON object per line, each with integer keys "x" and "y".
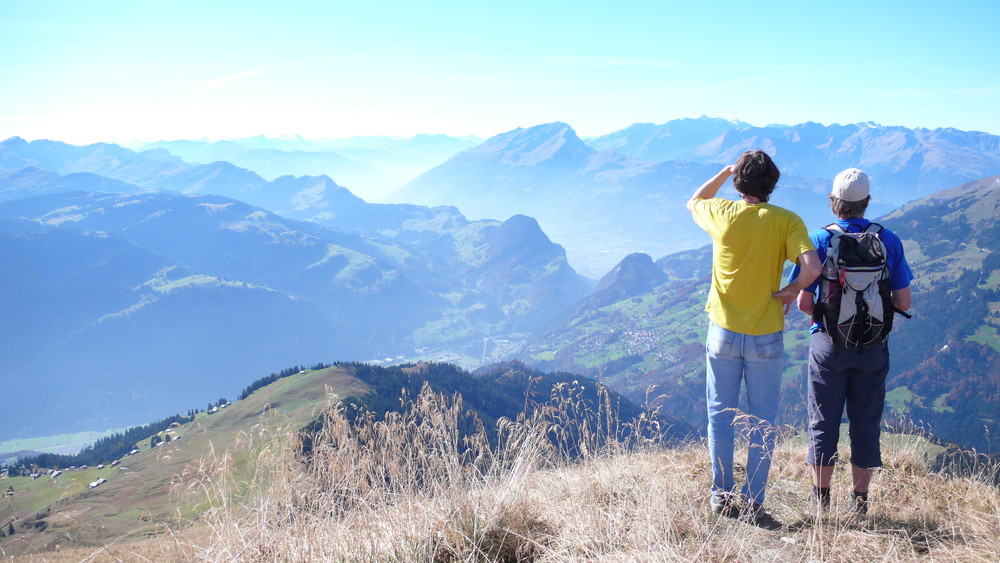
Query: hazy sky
{"x": 125, "y": 70}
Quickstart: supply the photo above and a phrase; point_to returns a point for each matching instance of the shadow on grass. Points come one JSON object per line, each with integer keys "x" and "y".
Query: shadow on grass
{"x": 922, "y": 535}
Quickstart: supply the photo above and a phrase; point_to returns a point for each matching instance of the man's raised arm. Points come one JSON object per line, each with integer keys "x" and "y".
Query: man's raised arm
{"x": 711, "y": 187}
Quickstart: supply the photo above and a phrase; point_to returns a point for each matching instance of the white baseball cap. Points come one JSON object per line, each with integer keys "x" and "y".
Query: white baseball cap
{"x": 851, "y": 185}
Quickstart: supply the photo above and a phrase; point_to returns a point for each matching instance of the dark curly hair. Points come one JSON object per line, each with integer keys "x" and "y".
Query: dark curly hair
{"x": 755, "y": 175}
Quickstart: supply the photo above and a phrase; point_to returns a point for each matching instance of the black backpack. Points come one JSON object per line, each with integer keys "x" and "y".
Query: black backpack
{"x": 855, "y": 295}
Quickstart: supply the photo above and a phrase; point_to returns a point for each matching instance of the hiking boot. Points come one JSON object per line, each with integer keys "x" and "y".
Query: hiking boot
{"x": 860, "y": 502}
{"x": 821, "y": 496}
{"x": 724, "y": 504}
{"x": 752, "y": 512}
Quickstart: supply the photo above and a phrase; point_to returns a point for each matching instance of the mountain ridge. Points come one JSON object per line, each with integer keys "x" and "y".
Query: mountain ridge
{"x": 902, "y": 162}
{"x": 601, "y": 205}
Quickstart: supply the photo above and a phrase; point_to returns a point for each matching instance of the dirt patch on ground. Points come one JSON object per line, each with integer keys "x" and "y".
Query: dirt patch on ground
{"x": 67, "y": 517}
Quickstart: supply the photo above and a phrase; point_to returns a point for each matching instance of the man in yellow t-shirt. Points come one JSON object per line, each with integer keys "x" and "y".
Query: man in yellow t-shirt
{"x": 751, "y": 239}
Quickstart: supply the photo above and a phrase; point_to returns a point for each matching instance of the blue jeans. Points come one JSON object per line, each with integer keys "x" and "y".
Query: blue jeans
{"x": 758, "y": 360}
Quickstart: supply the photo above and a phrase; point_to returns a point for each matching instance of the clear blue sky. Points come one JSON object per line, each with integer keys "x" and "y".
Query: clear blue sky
{"x": 127, "y": 70}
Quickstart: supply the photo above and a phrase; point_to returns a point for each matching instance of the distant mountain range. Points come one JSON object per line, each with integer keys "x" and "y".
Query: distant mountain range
{"x": 269, "y": 163}
{"x": 625, "y": 192}
{"x": 601, "y": 199}
{"x": 370, "y": 166}
{"x": 904, "y": 164}
{"x": 601, "y": 206}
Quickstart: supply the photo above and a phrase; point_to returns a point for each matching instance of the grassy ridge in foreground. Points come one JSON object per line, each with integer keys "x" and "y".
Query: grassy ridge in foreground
{"x": 412, "y": 496}
{"x": 412, "y": 485}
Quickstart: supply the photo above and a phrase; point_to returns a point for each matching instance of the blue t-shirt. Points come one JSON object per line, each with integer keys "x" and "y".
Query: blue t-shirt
{"x": 900, "y": 274}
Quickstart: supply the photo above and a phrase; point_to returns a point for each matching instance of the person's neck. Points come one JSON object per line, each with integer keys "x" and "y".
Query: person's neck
{"x": 750, "y": 199}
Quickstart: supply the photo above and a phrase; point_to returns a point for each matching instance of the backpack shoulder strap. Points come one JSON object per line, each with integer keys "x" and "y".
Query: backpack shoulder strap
{"x": 876, "y": 229}
{"x": 834, "y": 230}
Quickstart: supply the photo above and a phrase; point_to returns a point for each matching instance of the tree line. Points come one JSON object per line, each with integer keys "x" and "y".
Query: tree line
{"x": 267, "y": 380}
{"x": 104, "y": 450}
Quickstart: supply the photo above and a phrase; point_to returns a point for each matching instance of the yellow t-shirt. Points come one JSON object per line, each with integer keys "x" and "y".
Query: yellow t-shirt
{"x": 750, "y": 243}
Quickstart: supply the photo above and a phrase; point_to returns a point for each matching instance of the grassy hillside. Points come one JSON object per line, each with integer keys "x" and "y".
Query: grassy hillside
{"x": 141, "y": 494}
{"x": 400, "y": 489}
